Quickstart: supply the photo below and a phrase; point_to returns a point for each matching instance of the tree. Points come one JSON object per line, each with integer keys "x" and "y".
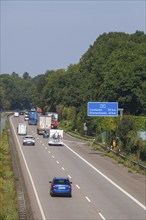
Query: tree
{"x": 26, "y": 76}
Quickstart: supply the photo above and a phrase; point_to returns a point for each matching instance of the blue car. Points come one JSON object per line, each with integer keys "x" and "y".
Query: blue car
{"x": 60, "y": 186}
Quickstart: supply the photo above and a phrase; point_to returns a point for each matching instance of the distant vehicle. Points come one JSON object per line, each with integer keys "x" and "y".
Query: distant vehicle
{"x": 60, "y": 186}
{"x": 21, "y": 112}
{"x": 54, "y": 120}
{"x": 44, "y": 124}
{"x": 16, "y": 114}
{"x": 22, "y": 129}
{"x": 28, "y": 140}
{"x": 32, "y": 110}
{"x": 33, "y": 118}
{"x": 26, "y": 117}
{"x": 46, "y": 134}
{"x": 55, "y": 137}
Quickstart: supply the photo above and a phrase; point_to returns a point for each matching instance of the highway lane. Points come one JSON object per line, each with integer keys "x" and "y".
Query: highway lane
{"x": 94, "y": 197}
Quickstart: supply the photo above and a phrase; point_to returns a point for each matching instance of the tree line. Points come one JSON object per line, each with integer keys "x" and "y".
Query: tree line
{"x": 113, "y": 69}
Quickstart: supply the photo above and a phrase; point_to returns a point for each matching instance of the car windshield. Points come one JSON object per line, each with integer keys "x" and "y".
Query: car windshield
{"x": 61, "y": 181}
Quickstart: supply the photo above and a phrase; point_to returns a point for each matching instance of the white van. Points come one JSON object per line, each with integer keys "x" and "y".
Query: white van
{"x": 22, "y": 129}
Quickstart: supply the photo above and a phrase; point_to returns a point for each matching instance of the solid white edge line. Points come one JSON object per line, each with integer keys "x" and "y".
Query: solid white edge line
{"x": 101, "y": 216}
{"x": 35, "y": 191}
{"x": 108, "y": 179}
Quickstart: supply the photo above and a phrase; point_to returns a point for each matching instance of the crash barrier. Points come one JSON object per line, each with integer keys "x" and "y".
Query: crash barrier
{"x": 117, "y": 153}
{"x": 120, "y": 155}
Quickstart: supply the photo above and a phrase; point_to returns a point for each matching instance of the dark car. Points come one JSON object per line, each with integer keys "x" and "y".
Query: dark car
{"x": 46, "y": 134}
{"x": 28, "y": 140}
{"x": 60, "y": 186}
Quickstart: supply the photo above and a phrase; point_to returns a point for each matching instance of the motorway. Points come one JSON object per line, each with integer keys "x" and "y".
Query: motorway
{"x": 102, "y": 189}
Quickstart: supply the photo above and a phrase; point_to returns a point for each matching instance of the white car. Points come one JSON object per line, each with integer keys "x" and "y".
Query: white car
{"x": 26, "y": 118}
{"x": 29, "y": 140}
{"x": 16, "y": 114}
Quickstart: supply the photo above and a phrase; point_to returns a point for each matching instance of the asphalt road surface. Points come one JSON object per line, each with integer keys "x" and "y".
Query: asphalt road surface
{"x": 101, "y": 188}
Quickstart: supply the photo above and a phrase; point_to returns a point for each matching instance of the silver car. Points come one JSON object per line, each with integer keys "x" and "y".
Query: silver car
{"x": 29, "y": 140}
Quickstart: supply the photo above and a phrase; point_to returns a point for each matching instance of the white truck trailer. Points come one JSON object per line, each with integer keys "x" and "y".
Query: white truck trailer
{"x": 55, "y": 137}
{"x": 22, "y": 129}
{"x": 44, "y": 124}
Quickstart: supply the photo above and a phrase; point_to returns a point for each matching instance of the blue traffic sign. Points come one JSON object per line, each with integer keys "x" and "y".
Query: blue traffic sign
{"x": 103, "y": 109}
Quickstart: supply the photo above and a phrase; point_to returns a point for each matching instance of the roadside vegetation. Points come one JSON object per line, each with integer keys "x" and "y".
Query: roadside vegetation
{"x": 113, "y": 69}
{"x": 8, "y": 201}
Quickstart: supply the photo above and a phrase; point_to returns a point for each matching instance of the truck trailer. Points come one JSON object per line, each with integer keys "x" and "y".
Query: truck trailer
{"x": 44, "y": 124}
{"x": 54, "y": 116}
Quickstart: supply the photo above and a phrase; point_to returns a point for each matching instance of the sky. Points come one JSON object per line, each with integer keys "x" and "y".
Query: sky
{"x": 37, "y": 36}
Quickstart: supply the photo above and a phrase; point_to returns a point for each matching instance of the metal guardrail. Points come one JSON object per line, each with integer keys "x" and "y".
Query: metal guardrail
{"x": 120, "y": 155}
{"x": 114, "y": 152}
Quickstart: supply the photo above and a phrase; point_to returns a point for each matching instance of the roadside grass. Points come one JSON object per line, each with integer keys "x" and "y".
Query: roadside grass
{"x": 127, "y": 163}
{"x": 8, "y": 199}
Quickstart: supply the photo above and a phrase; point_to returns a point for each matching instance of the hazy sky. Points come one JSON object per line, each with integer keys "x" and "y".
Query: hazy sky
{"x": 37, "y": 36}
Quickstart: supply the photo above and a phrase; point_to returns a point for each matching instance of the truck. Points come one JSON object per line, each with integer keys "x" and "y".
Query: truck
{"x": 55, "y": 137}
{"x": 22, "y": 129}
{"x": 44, "y": 124}
{"x": 33, "y": 118}
{"x": 54, "y": 116}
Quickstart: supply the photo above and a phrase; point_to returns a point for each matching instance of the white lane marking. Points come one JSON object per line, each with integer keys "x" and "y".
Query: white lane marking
{"x": 31, "y": 179}
{"x": 43, "y": 144}
{"x": 69, "y": 176}
{"x": 62, "y": 168}
{"x": 77, "y": 186}
{"x": 88, "y": 199}
{"x": 108, "y": 179}
{"x": 57, "y": 161}
{"x": 101, "y": 216}
{"x": 49, "y": 152}
{"x": 46, "y": 148}
{"x": 53, "y": 156}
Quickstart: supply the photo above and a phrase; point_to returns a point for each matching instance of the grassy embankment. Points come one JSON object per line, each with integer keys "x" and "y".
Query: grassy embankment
{"x": 127, "y": 163}
{"x": 8, "y": 200}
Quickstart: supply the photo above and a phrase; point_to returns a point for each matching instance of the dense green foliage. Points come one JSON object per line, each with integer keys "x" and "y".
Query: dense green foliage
{"x": 113, "y": 70}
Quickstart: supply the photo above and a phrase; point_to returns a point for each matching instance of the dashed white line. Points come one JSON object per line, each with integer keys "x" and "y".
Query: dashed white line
{"x": 102, "y": 216}
{"x": 62, "y": 168}
{"x": 108, "y": 179}
{"x": 57, "y": 161}
{"x": 46, "y": 148}
{"x": 88, "y": 199}
{"x": 49, "y": 152}
{"x": 77, "y": 186}
{"x": 53, "y": 156}
{"x": 69, "y": 176}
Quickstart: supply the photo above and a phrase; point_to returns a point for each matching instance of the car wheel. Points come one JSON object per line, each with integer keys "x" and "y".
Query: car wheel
{"x": 51, "y": 194}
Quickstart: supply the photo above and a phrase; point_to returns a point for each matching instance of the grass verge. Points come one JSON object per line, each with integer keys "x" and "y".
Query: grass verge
{"x": 8, "y": 199}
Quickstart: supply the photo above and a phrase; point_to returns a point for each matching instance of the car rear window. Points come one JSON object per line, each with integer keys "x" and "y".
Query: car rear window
{"x": 61, "y": 181}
